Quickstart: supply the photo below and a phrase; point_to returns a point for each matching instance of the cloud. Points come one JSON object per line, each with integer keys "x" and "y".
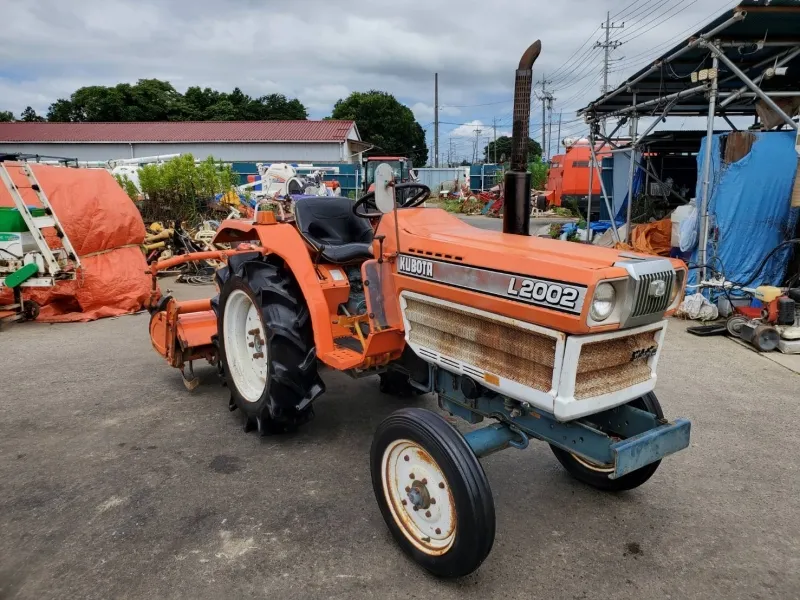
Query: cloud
{"x": 469, "y": 129}
{"x": 424, "y": 112}
{"x": 318, "y": 52}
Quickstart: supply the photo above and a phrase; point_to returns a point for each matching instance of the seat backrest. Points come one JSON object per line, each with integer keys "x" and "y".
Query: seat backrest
{"x": 329, "y": 221}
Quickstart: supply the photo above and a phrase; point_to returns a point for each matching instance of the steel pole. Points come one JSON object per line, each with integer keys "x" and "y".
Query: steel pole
{"x": 781, "y": 62}
{"x": 591, "y": 186}
{"x": 436, "y": 120}
{"x": 634, "y": 123}
{"x": 718, "y": 54}
{"x": 702, "y": 254}
{"x": 605, "y": 193}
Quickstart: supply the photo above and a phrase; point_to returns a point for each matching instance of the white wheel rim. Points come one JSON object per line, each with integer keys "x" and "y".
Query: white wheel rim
{"x": 245, "y": 345}
{"x": 412, "y": 479}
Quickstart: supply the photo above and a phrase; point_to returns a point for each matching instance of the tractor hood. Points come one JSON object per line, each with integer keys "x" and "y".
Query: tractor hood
{"x": 437, "y": 231}
{"x": 536, "y": 280}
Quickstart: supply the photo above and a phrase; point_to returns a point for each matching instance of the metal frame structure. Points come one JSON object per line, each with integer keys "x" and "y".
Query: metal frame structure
{"x": 734, "y": 61}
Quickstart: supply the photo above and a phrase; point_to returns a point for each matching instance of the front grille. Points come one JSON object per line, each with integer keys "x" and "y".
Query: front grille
{"x": 612, "y": 365}
{"x": 497, "y": 347}
{"x": 644, "y": 303}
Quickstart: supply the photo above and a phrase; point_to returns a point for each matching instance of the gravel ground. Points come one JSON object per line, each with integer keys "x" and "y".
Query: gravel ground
{"x": 116, "y": 482}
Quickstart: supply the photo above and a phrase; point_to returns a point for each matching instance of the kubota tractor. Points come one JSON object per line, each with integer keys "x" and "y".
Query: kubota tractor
{"x": 549, "y": 340}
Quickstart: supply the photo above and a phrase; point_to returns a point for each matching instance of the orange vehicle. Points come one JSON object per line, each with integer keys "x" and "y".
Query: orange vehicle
{"x": 550, "y": 340}
{"x": 568, "y": 176}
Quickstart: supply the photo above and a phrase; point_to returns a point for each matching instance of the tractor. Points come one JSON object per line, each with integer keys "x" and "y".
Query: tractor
{"x": 549, "y": 340}
{"x": 402, "y": 169}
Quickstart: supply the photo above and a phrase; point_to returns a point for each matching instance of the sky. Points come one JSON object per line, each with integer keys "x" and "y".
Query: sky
{"x": 320, "y": 51}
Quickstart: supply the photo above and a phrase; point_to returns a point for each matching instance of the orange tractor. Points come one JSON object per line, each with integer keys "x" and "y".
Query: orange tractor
{"x": 550, "y": 340}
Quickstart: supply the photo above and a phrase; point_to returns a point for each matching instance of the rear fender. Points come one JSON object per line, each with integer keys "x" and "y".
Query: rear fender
{"x": 284, "y": 240}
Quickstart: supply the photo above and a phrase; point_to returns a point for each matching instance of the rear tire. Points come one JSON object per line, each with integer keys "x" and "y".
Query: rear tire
{"x": 419, "y": 460}
{"x": 597, "y": 475}
{"x": 266, "y": 344}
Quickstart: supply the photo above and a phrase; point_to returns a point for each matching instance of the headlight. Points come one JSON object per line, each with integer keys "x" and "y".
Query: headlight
{"x": 605, "y": 297}
{"x": 677, "y": 286}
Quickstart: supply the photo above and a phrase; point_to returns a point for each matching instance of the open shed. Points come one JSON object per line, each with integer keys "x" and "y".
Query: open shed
{"x": 743, "y": 64}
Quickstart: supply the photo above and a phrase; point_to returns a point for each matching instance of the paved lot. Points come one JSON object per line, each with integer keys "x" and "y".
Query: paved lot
{"x": 115, "y": 482}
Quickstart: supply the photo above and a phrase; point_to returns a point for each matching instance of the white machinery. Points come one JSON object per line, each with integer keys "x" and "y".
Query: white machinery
{"x": 26, "y": 259}
{"x": 280, "y": 179}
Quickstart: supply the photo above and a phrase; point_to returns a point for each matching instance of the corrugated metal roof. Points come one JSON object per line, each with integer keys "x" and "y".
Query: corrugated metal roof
{"x": 178, "y": 131}
{"x": 776, "y": 21}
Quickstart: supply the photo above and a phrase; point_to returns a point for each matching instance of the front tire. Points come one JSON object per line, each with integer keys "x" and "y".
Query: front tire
{"x": 597, "y": 475}
{"x": 266, "y": 344}
{"x": 432, "y": 492}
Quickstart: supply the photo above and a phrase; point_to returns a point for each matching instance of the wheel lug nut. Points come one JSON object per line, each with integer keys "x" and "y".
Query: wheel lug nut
{"x": 405, "y": 502}
{"x": 258, "y": 355}
{"x": 412, "y": 476}
{"x": 253, "y": 332}
{"x": 433, "y": 500}
{"x": 416, "y": 508}
{"x": 438, "y": 531}
{"x": 251, "y": 344}
{"x": 427, "y": 513}
{"x": 408, "y": 489}
{"x": 424, "y": 482}
{"x": 405, "y": 458}
{"x": 441, "y": 485}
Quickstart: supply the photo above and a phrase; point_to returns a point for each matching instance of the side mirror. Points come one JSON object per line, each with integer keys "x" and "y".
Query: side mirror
{"x": 384, "y": 188}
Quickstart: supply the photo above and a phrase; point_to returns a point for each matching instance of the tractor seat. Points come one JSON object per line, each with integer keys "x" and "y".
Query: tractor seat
{"x": 329, "y": 225}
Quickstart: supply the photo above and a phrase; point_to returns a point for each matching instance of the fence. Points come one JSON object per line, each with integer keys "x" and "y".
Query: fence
{"x": 435, "y": 177}
{"x": 349, "y": 175}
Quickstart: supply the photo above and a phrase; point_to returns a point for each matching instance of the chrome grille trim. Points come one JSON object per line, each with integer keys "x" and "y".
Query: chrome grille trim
{"x": 645, "y": 304}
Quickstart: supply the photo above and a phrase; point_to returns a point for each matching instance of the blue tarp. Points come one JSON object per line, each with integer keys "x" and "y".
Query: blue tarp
{"x": 749, "y": 208}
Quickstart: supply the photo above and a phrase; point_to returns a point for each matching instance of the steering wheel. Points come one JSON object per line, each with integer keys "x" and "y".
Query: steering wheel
{"x": 367, "y": 201}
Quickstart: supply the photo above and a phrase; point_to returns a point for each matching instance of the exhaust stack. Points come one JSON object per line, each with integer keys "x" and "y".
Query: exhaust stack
{"x": 517, "y": 182}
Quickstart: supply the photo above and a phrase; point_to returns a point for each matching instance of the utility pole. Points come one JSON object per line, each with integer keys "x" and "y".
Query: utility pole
{"x": 544, "y": 111}
{"x": 558, "y": 141}
{"x": 547, "y": 100}
{"x": 450, "y": 153}
{"x": 550, "y": 124}
{"x": 475, "y": 145}
{"x": 494, "y": 126}
{"x": 436, "y": 120}
{"x": 608, "y": 46}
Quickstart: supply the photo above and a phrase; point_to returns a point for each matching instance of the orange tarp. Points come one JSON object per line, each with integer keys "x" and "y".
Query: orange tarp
{"x": 105, "y": 228}
{"x": 651, "y": 238}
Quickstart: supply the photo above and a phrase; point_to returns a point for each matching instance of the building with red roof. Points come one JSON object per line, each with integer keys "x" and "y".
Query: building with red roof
{"x": 328, "y": 141}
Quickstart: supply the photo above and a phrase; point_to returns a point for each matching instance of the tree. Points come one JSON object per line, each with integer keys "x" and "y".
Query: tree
{"x": 384, "y": 122}
{"x": 29, "y": 116}
{"x": 180, "y": 188}
{"x": 60, "y": 111}
{"x": 465, "y": 163}
{"x": 6, "y": 116}
{"x": 156, "y": 100}
{"x": 504, "y": 149}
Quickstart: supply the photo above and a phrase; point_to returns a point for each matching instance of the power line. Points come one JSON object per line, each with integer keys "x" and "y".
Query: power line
{"x": 654, "y": 22}
{"x": 655, "y": 51}
{"x": 620, "y": 15}
{"x": 474, "y": 105}
{"x": 568, "y": 61}
{"x": 636, "y": 14}
{"x": 580, "y": 63}
{"x": 654, "y": 25}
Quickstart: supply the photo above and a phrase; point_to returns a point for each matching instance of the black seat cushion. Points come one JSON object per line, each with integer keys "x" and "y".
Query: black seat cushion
{"x": 329, "y": 225}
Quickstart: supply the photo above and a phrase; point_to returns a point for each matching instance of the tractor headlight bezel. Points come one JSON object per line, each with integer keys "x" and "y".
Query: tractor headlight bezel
{"x": 603, "y": 303}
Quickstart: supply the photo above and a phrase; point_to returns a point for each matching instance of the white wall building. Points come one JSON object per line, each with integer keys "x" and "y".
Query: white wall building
{"x": 229, "y": 141}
